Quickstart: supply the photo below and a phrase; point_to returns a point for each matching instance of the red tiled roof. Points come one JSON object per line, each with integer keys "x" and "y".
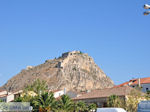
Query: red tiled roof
{"x": 120, "y": 91}
{"x": 135, "y": 82}
{"x": 123, "y": 84}
{"x": 143, "y": 81}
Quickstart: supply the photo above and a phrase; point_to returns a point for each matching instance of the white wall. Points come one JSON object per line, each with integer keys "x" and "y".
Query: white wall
{"x": 7, "y": 98}
{"x": 10, "y": 98}
{"x": 58, "y": 93}
{"x": 145, "y": 87}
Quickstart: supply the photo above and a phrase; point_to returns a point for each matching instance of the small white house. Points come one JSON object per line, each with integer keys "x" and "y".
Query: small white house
{"x": 9, "y": 96}
{"x": 58, "y": 93}
{"x": 6, "y": 96}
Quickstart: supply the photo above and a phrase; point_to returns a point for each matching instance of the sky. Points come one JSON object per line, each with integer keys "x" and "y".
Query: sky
{"x": 114, "y": 32}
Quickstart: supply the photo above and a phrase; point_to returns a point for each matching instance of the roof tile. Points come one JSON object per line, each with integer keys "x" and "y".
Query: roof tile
{"x": 120, "y": 91}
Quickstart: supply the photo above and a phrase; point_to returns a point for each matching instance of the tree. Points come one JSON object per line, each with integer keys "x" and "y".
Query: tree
{"x": 37, "y": 87}
{"x": 114, "y": 101}
{"x": 81, "y": 106}
{"x": 33, "y": 93}
{"x": 133, "y": 99}
{"x": 65, "y": 104}
{"x": 91, "y": 107}
{"x": 45, "y": 102}
{"x": 42, "y": 101}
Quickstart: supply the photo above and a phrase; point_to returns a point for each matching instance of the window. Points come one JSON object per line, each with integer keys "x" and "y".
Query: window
{"x": 4, "y": 100}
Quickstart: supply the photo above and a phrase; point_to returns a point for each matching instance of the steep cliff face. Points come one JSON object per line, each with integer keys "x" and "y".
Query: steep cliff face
{"x": 73, "y": 70}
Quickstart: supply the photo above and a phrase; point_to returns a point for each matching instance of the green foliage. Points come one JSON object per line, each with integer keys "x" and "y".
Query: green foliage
{"x": 25, "y": 98}
{"x": 148, "y": 92}
{"x": 37, "y": 87}
{"x": 65, "y": 104}
{"x": 45, "y": 102}
{"x": 138, "y": 88}
{"x": 81, "y": 106}
{"x": 114, "y": 101}
{"x": 147, "y": 95}
{"x": 19, "y": 99}
{"x": 131, "y": 102}
{"x": 1, "y": 100}
{"x": 92, "y": 107}
{"x": 133, "y": 99}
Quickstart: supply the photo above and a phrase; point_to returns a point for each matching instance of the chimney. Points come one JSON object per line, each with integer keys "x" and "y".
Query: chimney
{"x": 139, "y": 82}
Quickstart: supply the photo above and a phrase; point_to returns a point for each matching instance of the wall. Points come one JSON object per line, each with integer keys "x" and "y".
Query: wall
{"x": 101, "y": 102}
{"x": 58, "y": 93}
{"x": 144, "y": 86}
{"x": 10, "y": 98}
{"x": 71, "y": 94}
{"x": 4, "y": 99}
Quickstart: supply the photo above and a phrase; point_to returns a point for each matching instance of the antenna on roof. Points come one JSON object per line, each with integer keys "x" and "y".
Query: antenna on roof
{"x": 139, "y": 80}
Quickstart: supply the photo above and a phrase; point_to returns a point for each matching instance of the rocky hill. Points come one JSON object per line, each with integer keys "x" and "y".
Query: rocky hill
{"x": 73, "y": 70}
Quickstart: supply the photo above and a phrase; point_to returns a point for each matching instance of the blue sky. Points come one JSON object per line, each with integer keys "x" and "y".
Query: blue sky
{"x": 114, "y": 32}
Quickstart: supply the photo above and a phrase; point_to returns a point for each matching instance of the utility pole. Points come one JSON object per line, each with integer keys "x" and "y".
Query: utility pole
{"x": 147, "y": 7}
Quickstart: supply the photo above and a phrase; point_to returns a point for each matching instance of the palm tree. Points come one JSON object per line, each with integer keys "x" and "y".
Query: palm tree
{"x": 92, "y": 107}
{"x": 81, "y": 106}
{"x": 45, "y": 102}
{"x": 65, "y": 104}
{"x": 38, "y": 87}
{"x": 114, "y": 101}
{"x": 76, "y": 108}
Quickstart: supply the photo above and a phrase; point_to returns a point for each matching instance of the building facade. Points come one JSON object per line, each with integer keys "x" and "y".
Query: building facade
{"x": 9, "y": 96}
{"x": 100, "y": 97}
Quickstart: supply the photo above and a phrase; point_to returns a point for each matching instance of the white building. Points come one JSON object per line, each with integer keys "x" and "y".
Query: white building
{"x": 58, "y": 93}
{"x": 8, "y": 96}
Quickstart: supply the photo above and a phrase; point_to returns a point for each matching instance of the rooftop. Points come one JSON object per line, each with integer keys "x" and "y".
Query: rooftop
{"x": 136, "y": 81}
{"x": 120, "y": 91}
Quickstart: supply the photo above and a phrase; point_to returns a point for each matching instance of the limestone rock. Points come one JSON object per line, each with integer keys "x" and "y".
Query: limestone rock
{"x": 73, "y": 70}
